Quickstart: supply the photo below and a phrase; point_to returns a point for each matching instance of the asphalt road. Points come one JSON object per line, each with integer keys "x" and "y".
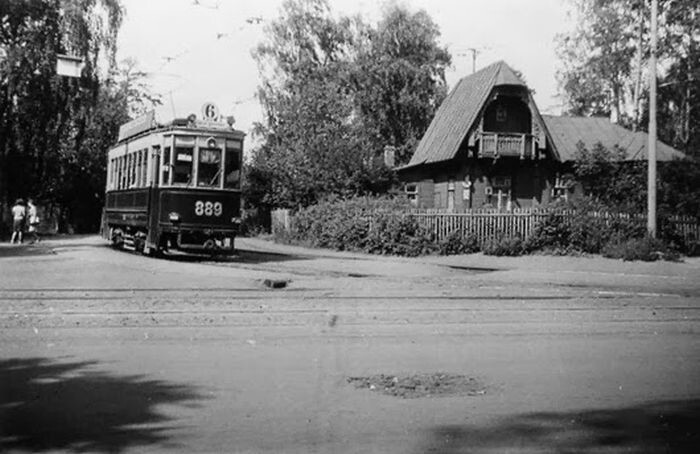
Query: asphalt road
{"x": 108, "y": 351}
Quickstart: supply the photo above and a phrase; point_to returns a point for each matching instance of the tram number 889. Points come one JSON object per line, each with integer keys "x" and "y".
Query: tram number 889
{"x": 202, "y": 208}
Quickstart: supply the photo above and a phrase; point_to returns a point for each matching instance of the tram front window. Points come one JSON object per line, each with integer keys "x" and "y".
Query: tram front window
{"x": 233, "y": 169}
{"x": 182, "y": 170}
{"x": 209, "y": 170}
{"x": 166, "y": 166}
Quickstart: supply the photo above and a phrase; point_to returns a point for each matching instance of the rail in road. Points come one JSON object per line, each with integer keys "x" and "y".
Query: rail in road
{"x": 158, "y": 307}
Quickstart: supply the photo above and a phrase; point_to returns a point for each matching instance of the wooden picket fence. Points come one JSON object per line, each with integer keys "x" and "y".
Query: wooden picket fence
{"x": 483, "y": 225}
{"x": 487, "y": 224}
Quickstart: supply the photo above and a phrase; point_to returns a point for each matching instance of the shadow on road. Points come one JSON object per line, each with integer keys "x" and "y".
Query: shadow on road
{"x": 24, "y": 250}
{"x": 241, "y": 256}
{"x": 661, "y": 427}
{"x": 68, "y": 406}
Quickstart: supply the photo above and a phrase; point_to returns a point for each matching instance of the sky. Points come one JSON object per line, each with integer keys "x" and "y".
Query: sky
{"x": 198, "y": 51}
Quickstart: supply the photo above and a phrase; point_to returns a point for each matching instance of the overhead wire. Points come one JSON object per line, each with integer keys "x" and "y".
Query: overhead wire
{"x": 171, "y": 59}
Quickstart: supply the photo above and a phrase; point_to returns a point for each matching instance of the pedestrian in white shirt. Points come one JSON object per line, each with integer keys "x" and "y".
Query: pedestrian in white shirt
{"x": 19, "y": 214}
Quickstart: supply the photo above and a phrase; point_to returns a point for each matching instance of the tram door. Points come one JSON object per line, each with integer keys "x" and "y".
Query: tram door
{"x": 155, "y": 168}
{"x": 153, "y": 200}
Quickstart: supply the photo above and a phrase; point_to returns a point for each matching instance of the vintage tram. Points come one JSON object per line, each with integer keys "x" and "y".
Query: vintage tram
{"x": 175, "y": 187}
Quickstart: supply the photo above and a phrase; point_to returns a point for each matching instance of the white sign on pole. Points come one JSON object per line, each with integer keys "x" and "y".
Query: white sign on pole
{"x": 69, "y": 66}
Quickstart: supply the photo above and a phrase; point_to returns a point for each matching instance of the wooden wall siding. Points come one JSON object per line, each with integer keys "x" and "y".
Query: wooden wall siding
{"x": 426, "y": 188}
{"x": 529, "y": 183}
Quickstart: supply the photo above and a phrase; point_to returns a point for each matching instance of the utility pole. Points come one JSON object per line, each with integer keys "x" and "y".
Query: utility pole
{"x": 651, "y": 155}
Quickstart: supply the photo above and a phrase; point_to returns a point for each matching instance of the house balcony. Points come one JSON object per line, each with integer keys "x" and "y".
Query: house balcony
{"x": 500, "y": 144}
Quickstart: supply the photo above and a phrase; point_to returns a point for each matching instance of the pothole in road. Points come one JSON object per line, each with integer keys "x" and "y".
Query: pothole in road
{"x": 420, "y": 385}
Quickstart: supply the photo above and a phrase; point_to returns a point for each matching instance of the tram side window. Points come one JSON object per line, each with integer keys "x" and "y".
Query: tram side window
{"x": 140, "y": 176}
{"x": 137, "y": 169}
{"x": 144, "y": 168}
{"x": 233, "y": 169}
{"x": 122, "y": 169}
{"x": 127, "y": 168}
{"x": 165, "y": 167}
{"x": 182, "y": 170}
{"x": 132, "y": 169}
{"x": 115, "y": 181}
{"x": 115, "y": 173}
{"x": 110, "y": 185}
{"x": 209, "y": 168}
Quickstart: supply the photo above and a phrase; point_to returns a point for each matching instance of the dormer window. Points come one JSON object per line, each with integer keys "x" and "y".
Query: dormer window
{"x": 500, "y": 114}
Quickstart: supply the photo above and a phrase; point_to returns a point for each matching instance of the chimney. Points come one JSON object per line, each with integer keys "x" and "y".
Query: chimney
{"x": 389, "y": 156}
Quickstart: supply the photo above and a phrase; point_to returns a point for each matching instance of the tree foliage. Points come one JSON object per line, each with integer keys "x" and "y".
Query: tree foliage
{"x": 621, "y": 185}
{"x": 605, "y": 65}
{"x": 335, "y": 91}
{"x": 400, "y": 78}
{"x": 55, "y": 130}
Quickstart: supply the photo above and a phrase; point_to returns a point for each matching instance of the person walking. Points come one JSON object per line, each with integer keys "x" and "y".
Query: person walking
{"x": 33, "y": 221}
{"x": 19, "y": 213}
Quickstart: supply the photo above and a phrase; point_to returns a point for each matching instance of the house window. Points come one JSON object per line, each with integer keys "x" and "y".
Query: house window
{"x": 501, "y": 114}
{"x": 451, "y": 194}
{"x": 501, "y": 182}
{"x": 563, "y": 184}
{"x": 411, "y": 190}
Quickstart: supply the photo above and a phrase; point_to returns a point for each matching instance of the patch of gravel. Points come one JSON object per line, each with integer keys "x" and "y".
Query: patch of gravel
{"x": 420, "y": 385}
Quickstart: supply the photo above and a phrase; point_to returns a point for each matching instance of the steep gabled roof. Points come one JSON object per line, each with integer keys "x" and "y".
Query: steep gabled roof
{"x": 567, "y": 132}
{"x": 458, "y": 112}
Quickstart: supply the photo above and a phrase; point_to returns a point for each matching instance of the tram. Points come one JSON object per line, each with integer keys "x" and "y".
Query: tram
{"x": 175, "y": 187}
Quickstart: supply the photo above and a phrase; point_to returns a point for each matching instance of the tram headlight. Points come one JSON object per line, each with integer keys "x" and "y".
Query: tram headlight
{"x": 174, "y": 217}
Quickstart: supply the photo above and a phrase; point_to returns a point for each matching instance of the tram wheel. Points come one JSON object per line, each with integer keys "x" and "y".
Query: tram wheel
{"x": 117, "y": 239}
{"x": 139, "y": 244}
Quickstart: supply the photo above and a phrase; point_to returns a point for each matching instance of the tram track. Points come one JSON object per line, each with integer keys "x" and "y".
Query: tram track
{"x": 343, "y": 311}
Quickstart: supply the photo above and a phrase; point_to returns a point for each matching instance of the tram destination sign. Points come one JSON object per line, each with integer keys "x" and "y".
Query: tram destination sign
{"x": 137, "y": 125}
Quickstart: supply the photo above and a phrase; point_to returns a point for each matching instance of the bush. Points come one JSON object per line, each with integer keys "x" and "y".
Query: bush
{"x": 377, "y": 226}
{"x": 458, "y": 243}
{"x": 552, "y": 234}
{"x": 398, "y": 235}
{"x": 582, "y": 232}
{"x": 646, "y": 249}
{"x": 504, "y": 245}
{"x": 692, "y": 248}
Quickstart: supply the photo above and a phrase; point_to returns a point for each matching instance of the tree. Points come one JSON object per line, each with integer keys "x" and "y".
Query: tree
{"x": 122, "y": 95}
{"x": 606, "y": 176}
{"x": 597, "y": 56}
{"x": 604, "y": 64}
{"x": 400, "y": 78}
{"x": 621, "y": 185}
{"x": 335, "y": 91}
{"x": 54, "y": 130}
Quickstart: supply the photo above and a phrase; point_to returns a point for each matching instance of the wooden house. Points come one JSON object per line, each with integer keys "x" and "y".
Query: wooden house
{"x": 489, "y": 146}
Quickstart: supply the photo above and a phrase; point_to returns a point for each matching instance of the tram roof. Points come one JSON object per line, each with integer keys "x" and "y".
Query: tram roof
{"x": 187, "y": 127}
